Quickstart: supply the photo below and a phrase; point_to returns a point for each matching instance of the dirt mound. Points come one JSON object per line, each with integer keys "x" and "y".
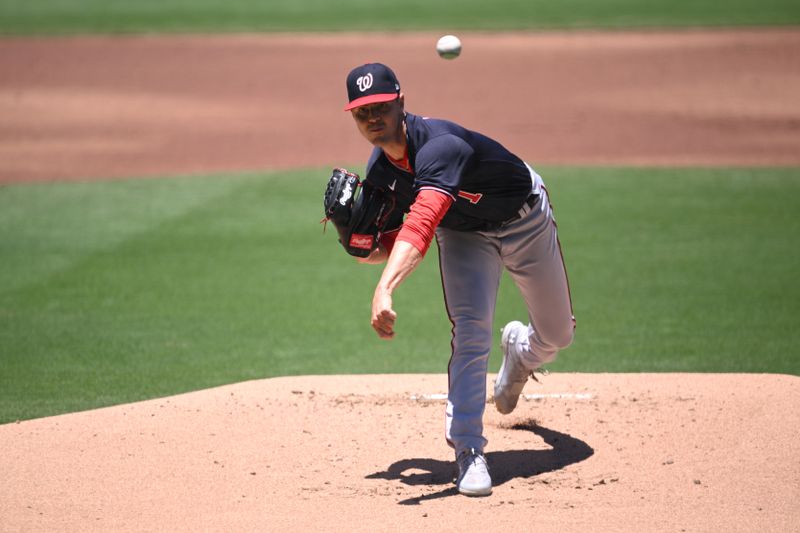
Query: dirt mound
{"x": 582, "y": 452}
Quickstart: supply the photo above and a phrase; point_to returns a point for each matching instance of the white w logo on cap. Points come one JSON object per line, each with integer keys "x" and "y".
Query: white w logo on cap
{"x": 364, "y": 82}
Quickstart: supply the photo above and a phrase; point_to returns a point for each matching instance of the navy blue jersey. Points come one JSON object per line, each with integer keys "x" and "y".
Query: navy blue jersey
{"x": 488, "y": 183}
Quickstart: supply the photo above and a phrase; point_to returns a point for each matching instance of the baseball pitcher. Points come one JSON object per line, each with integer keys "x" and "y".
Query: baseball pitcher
{"x": 488, "y": 211}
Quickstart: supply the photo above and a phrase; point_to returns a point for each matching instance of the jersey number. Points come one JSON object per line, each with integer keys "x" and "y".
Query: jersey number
{"x": 473, "y": 197}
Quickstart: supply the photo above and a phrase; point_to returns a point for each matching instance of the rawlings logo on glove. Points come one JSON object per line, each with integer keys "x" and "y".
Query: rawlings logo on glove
{"x": 358, "y": 211}
{"x": 362, "y": 242}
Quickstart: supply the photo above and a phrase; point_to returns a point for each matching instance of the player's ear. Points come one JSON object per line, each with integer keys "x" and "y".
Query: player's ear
{"x": 402, "y": 101}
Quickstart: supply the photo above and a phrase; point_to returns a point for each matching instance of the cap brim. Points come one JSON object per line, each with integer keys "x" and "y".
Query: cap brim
{"x": 371, "y": 99}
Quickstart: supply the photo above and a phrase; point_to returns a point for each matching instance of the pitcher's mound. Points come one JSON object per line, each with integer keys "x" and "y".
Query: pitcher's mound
{"x": 582, "y": 452}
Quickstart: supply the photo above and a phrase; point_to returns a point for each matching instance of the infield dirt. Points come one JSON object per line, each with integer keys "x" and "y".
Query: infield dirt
{"x": 633, "y": 452}
{"x": 151, "y": 106}
{"x": 588, "y": 452}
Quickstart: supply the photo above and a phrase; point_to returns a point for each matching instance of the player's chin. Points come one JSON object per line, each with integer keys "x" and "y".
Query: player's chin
{"x": 377, "y": 135}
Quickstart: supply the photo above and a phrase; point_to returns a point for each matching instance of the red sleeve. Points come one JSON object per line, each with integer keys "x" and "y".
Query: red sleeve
{"x": 426, "y": 213}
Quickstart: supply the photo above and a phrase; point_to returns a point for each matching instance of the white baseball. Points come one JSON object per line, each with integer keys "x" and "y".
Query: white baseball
{"x": 449, "y": 47}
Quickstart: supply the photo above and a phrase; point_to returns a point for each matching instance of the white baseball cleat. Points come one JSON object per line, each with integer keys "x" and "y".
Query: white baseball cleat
{"x": 473, "y": 474}
{"x": 513, "y": 374}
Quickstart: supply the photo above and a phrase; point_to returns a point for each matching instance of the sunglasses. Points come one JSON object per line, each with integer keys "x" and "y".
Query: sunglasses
{"x": 377, "y": 110}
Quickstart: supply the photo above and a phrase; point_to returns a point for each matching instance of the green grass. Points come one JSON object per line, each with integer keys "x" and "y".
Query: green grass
{"x": 123, "y": 290}
{"x": 682, "y": 270}
{"x": 125, "y": 16}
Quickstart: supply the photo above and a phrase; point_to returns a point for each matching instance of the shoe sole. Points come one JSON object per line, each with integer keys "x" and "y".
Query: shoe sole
{"x": 475, "y": 493}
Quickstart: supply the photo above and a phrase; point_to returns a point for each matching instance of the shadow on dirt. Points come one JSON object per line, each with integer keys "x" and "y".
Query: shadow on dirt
{"x": 505, "y": 465}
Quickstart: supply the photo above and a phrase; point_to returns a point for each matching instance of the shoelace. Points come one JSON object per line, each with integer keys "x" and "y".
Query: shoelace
{"x": 512, "y": 339}
{"x": 541, "y": 372}
{"x": 468, "y": 457}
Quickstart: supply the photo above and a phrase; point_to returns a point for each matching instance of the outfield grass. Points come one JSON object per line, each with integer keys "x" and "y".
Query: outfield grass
{"x": 123, "y": 290}
{"x": 126, "y": 16}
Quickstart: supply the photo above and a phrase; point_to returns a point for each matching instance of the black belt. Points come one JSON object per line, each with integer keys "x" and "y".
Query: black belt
{"x": 530, "y": 201}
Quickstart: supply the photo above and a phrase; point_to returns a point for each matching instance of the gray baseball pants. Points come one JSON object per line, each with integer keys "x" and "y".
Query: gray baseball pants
{"x": 471, "y": 266}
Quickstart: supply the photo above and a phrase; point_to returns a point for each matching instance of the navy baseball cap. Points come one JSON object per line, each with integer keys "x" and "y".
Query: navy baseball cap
{"x": 370, "y": 84}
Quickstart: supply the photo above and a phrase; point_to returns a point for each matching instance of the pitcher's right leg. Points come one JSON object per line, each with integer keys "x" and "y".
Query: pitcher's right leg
{"x": 470, "y": 268}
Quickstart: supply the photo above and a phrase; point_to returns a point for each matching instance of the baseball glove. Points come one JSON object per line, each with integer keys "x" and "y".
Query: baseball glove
{"x": 358, "y": 210}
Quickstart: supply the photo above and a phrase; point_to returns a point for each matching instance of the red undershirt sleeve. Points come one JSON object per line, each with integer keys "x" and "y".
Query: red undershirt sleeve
{"x": 425, "y": 214}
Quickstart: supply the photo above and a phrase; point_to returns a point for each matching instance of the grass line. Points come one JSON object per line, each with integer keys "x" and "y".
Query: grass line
{"x": 148, "y": 16}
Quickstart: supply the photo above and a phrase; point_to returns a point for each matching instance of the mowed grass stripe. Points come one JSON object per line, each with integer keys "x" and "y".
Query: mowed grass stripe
{"x": 682, "y": 270}
{"x": 671, "y": 270}
{"x": 47, "y": 227}
{"x": 148, "y": 16}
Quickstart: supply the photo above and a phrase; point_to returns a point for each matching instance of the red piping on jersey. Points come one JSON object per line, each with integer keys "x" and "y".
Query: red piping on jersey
{"x": 403, "y": 164}
{"x": 452, "y": 331}
{"x": 428, "y": 187}
{"x": 561, "y": 253}
{"x": 426, "y": 213}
